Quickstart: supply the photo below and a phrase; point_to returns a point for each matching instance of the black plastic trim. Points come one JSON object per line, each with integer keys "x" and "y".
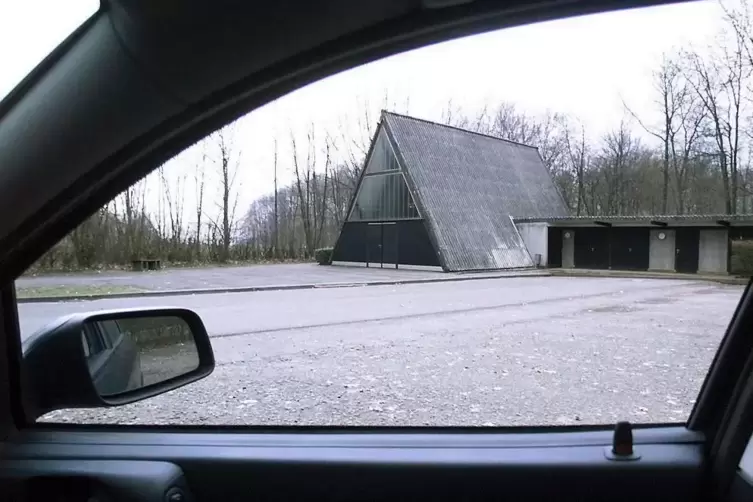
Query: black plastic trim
{"x": 727, "y": 370}
{"x": 357, "y": 437}
{"x": 394, "y": 466}
{"x": 147, "y": 481}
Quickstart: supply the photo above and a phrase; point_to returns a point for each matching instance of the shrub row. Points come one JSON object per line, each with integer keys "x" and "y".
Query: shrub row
{"x": 323, "y": 256}
{"x": 741, "y": 257}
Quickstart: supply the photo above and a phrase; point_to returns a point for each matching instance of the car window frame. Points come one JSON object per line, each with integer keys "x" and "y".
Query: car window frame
{"x": 113, "y": 338}
{"x": 12, "y": 392}
{"x": 94, "y": 339}
{"x": 97, "y": 361}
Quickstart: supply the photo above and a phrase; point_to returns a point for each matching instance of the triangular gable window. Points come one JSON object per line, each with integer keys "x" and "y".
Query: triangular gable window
{"x": 382, "y": 157}
{"x": 383, "y": 193}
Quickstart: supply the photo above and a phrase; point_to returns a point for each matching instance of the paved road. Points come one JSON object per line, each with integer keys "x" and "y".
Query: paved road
{"x": 228, "y": 277}
{"x": 527, "y": 351}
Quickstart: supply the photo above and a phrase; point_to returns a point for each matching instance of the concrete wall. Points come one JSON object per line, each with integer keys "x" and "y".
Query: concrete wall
{"x": 713, "y": 250}
{"x": 568, "y": 249}
{"x": 661, "y": 253}
{"x": 535, "y": 236}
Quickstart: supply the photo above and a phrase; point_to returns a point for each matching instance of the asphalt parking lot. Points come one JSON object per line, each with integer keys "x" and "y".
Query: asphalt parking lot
{"x": 512, "y": 351}
{"x": 228, "y": 277}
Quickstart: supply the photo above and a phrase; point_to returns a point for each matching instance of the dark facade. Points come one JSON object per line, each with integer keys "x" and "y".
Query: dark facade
{"x": 623, "y": 248}
{"x": 629, "y": 248}
{"x": 591, "y": 248}
{"x": 672, "y": 243}
{"x": 386, "y": 244}
{"x": 554, "y": 247}
{"x": 686, "y": 250}
{"x": 437, "y": 195}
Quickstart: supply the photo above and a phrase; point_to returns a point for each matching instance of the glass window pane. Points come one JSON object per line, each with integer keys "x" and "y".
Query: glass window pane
{"x": 383, "y": 197}
{"x": 382, "y": 157}
{"x": 399, "y": 200}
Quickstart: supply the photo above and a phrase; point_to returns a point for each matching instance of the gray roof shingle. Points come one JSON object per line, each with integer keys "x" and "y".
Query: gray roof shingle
{"x": 469, "y": 186}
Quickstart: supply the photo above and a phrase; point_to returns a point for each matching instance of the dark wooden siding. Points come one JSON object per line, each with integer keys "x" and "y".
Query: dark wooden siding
{"x": 405, "y": 242}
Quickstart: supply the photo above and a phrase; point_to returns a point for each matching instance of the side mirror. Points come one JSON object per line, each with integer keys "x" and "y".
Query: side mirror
{"x": 112, "y": 358}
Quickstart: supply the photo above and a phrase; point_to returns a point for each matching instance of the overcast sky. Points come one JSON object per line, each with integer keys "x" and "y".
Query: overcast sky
{"x": 583, "y": 67}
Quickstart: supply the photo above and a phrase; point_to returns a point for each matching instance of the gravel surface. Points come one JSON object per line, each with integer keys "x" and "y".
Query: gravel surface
{"x": 164, "y": 363}
{"x": 528, "y": 351}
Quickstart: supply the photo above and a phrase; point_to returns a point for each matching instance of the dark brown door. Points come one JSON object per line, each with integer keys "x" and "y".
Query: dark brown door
{"x": 592, "y": 248}
{"x": 374, "y": 245}
{"x": 629, "y": 248}
{"x": 390, "y": 244}
{"x": 686, "y": 250}
{"x": 554, "y": 248}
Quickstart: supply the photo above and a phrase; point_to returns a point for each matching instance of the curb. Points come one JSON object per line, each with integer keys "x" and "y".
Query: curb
{"x": 729, "y": 280}
{"x": 284, "y": 287}
{"x": 721, "y": 279}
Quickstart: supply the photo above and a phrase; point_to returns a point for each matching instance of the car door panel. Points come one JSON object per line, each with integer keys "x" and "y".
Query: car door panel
{"x": 103, "y": 481}
{"x": 478, "y": 466}
{"x": 741, "y": 489}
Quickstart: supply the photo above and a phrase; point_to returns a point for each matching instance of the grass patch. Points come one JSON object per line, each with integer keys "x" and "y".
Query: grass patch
{"x": 231, "y": 263}
{"x": 157, "y": 332}
{"x": 79, "y": 290}
{"x": 166, "y": 265}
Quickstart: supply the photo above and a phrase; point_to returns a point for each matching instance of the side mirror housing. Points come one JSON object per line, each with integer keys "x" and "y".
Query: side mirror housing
{"x": 111, "y": 358}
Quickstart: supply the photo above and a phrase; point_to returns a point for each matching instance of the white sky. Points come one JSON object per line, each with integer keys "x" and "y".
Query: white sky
{"x": 583, "y": 67}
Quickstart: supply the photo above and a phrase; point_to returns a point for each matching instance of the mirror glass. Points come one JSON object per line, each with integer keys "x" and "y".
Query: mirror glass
{"x": 133, "y": 352}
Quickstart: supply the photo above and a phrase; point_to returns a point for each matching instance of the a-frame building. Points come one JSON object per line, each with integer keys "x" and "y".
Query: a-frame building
{"x": 439, "y": 196}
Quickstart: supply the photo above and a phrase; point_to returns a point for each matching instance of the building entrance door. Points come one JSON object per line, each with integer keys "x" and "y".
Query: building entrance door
{"x": 382, "y": 244}
{"x": 686, "y": 250}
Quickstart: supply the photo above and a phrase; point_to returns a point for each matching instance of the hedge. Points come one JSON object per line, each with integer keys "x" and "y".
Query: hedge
{"x": 323, "y": 256}
{"x": 741, "y": 257}
{"x": 156, "y": 332}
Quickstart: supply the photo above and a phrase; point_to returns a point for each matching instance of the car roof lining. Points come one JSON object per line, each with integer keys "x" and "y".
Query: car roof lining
{"x": 121, "y": 96}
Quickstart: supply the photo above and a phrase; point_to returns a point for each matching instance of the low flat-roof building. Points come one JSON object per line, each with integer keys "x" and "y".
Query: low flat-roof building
{"x": 684, "y": 243}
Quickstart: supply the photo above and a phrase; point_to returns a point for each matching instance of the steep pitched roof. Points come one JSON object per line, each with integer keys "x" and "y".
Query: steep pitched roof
{"x": 469, "y": 186}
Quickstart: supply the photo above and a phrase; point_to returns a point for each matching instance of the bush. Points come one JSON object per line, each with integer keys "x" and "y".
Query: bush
{"x": 156, "y": 332}
{"x": 741, "y": 257}
{"x": 323, "y": 256}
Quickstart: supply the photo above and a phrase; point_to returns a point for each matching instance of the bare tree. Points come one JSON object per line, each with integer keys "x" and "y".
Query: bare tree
{"x": 718, "y": 85}
{"x": 227, "y": 163}
{"x": 199, "y": 179}
{"x": 682, "y": 115}
{"x": 617, "y": 157}
{"x": 577, "y": 153}
{"x": 670, "y": 94}
{"x": 277, "y": 218}
{"x": 310, "y": 189}
{"x": 174, "y": 198}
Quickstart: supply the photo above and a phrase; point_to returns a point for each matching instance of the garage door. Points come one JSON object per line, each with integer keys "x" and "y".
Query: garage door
{"x": 629, "y": 248}
{"x": 592, "y": 248}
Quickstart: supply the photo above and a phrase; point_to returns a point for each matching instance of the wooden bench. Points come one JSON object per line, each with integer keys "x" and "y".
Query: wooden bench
{"x": 150, "y": 264}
